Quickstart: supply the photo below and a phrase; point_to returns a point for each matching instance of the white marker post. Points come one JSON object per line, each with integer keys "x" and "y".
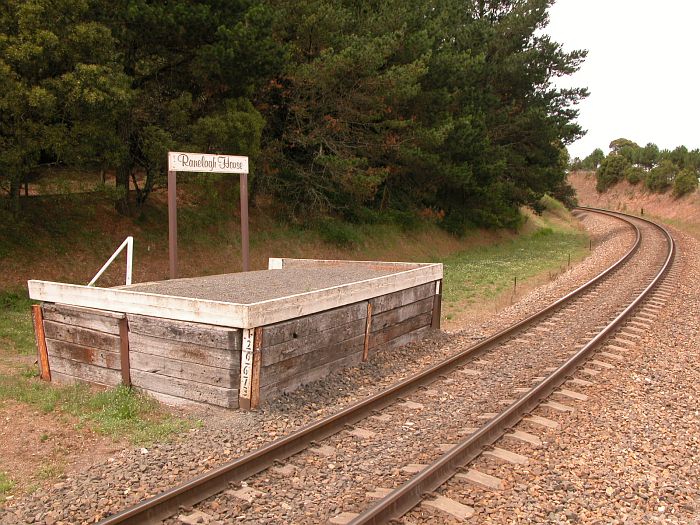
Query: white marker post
{"x": 245, "y": 389}
{"x": 205, "y": 163}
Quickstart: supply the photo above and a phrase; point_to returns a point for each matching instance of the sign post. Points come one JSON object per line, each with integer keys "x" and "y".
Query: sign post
{"x": 205, "y": 163}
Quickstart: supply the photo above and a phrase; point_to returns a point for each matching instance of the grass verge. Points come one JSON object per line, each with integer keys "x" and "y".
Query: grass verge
{"x": 486, "y": 272}
{"x": 16, "y": 332}
{"x": 6, "y": 485}
{"x": 689, "y": 227}
{"x": 119, "y": 412}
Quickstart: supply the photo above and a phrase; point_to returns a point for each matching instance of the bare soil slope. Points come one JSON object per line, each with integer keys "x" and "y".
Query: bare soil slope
{"x": 632, "y": 199}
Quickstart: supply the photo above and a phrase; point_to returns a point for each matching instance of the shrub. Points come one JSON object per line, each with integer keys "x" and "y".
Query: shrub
{"x": 406, "y": 220}
{"x": 543, "y": 232}
{"x": 634, "y": 174}
{"x": 565, "y": 194}
{"x": 339, "y": 233}
{"x": 660, "y": 178}
{"x": 611, "y": 171}
{"x": 685, "y": 182}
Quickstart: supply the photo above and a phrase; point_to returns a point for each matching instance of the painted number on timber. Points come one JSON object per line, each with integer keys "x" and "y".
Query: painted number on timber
{"x": 204, "y": 162}
{"x": 247, "y": 362}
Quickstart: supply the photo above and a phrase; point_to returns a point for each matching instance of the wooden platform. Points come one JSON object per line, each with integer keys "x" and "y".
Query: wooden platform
{"x": 157, "y": 338}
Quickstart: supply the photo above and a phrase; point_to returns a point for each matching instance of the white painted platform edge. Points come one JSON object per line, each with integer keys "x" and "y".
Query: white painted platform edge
{"x": 233, "y": 314}
{"x": 165, "y": 306}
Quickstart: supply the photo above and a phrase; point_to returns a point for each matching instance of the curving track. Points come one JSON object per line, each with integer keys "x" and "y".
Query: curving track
{"x": 431, "y": 424}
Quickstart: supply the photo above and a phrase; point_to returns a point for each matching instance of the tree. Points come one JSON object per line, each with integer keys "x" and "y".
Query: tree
{"x": 661, "y": 177}
{"x": 413, "y": 105}
{"x": 693, "y": 160}
{"x": 576, "y": 164}
{"x": 611, "y": 171}
{"x": 626, "y": 148}
{"x": 634, "y": 174}
{"x": 686, "y": 181}
{"x": 592, "y": 161}
{"x": 60, "y": 88}
{"x": 189, "y": 65}
{"x": 679, "y": 156}
{"x": 649, "y": 155}
{"x": 390, "y": 105}
{"x": 337, "y": 117}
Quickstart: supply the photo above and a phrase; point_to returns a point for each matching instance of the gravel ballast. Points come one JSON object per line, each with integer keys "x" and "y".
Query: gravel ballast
{"x": 630, "y": 453}
{"x": 261, "y": 285}
{"x": 135, "y": 474}
{"x": 374, "y": 455}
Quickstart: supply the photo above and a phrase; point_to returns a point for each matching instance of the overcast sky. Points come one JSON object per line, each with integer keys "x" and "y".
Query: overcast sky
{"x": 642, "y": 69}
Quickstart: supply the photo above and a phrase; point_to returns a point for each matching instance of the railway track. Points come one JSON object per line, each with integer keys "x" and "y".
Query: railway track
{"x": 416, "y": 435}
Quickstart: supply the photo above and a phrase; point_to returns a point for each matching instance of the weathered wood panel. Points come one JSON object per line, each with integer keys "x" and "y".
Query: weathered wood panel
{"x": 185, "y": 351}
{"x": 185, "y": 332}
{"x": 100, "y": 320}
{"x": 167, "y": 366}
{"x": 87, "y": 372}
{"x": 171, "y": 400}
{"x": 301, "y": 364}
{"x": 65, "y": 379}
{"x": 387, "y": 334}
{"x": 302, "y": 350}
{"x": 401, "y": 340}
{"x": 402, "y": 297}
{"x": 81, "y": 336}
{"x": 213, "y": 395}
{"x": 200, "y": 363}
{"x": 312, "y": 342}
{"x": 84, "y": 354}
{"x": 395, "y": 316}
{"x": 312, "y": 324}
{"x": 289, "y": 385}
{"x": 83, "y": 344}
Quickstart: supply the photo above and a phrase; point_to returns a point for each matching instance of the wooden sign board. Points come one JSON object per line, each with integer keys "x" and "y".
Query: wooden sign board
{"x": 204, "y": 162}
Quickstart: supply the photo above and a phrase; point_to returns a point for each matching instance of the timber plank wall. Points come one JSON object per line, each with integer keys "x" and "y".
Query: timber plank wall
{"x": 308, "y": 348}
{"x": 174, "y": 361}
{"x": 179, "y": 362}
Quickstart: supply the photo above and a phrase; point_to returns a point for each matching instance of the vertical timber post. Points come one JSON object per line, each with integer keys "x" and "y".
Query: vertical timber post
{"x": 172, "y": 223}
{"x": 124, "y": 351}
{"x": 245, "y": 243}
{"x": 40, "y": 335}
{"x": 255, "y": 379}
{"x": 368, "y": 330}
{"x": 437, "y": 305}
{"x": 245, "y": 389}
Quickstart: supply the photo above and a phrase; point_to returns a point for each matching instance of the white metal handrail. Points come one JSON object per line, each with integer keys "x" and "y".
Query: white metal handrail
{"x": 129, "y": 243}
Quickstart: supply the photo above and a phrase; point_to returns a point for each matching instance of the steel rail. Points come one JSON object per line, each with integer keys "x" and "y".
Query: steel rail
{"x": 404, "y": 498}
{"x": 160, "y": 506}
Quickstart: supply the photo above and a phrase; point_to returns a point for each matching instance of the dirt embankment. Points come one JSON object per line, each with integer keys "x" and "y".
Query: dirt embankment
{"x": 632, "y": 199}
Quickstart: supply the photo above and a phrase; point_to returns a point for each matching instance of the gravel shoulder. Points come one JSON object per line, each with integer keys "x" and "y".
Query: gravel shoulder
{"x": 133, "y": 474}
{"x": 628, "y": 454}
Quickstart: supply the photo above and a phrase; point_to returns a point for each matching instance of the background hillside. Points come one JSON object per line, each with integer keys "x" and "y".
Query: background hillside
{"x": 633, "y": 198}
